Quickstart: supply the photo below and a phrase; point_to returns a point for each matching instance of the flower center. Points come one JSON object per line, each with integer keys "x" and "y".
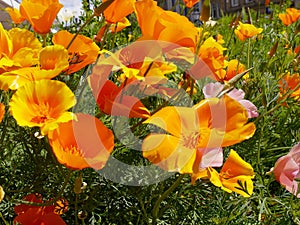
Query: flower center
{"x": 191, "y": 140}
{"x": 74, "y": 150}
{"x": 43, "y": 114}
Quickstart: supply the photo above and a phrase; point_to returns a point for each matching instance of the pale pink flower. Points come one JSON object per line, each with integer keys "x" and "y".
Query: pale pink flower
{"x": 211, "y": 90}
{"x": 287, "y": 170}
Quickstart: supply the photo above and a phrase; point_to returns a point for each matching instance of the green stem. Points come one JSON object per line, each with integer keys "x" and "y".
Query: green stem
{"x": 5, "y": 222}
{"x": 162, "y": 197}
{"x": 80, "y": 29}
{"x": 44, "y": 39}
{"x": 51, "y": 202}
{"x": 76, "y": 210}
{"x": 248, "y": 53}
{"x": 143, "y": 209}
{"x": 279, "y": 103}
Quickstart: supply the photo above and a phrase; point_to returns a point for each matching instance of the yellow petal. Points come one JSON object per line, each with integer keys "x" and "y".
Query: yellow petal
{"x": 175, "y": 120}
{"x": 42, "y": 102}
{"x": 166, "y": 152}
{"x": 5, "y": 42}
{"x": 242, "y": 185}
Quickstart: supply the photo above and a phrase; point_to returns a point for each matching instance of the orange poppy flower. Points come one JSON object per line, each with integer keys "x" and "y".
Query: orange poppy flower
{"x": 52, "y": 60}
{"x": 40, "y": 14}
{"x": 143, "y": 59}
{"x": 36, "y": 215}
{"x": 234, "y": 67}
{"x": 15, "y": 15}
{"x": 297, "y": 49}
{"x": 211, "y": 54}
{"x": 291, "y": 16}
{"x": 236, "y": 175}
{"x": 119, "y": 9}
{"x": 196, "y": 135}
{"x": 290, "y": 82}
{"x": 2, "y": 111}
{"x": 190, "y": 3}
{"x": 111, "y": 98}
{"x": 244, "y": 31}
{"x": 82, "y": 143}
{"x": 82, "y": 52}
{"x": 18, "y": 48}
{"x": 158, "y": 24}
{"x": 43, "y": 104}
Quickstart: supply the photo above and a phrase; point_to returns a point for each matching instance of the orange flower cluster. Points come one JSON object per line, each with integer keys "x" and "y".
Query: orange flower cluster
{"x": 38, "y": 101}
{"x": 121, "y": 84}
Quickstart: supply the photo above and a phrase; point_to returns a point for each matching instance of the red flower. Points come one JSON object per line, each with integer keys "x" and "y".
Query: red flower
{"x": 37, "y": 215}
{"x": 110, "y": 97}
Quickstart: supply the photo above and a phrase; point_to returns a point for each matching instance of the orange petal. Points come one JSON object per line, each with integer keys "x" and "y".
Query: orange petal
{"x": 175, "y": 120}
{"x": 83, "y": 143}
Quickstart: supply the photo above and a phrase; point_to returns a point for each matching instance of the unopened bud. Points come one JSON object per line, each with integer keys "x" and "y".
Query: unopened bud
{"x": 205, "y": 12}
{"x": 77, "y": 185}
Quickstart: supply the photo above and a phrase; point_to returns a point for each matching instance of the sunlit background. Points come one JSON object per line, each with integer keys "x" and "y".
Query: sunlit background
{"x": 72, "y": 6}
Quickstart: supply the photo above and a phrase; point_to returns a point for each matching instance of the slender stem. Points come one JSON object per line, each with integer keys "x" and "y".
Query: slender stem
{"x": 80, "y": 29}
{"x": 44, "y": 39}
{"x": 143, "y": 209}
{"x": 279, "y": 103}
{"x": 162, "y": 197}
{"x": 5, "y": 222}
{"x": 51, "y": 202}
{"x": 76, "y": 210}
{"x": 248, "y": 53}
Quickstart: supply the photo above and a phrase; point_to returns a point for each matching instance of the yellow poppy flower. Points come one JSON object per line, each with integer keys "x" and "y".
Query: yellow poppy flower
{"x": 15, "y": 15}
{"x": 244, "y": 31}
{"x": 234, "y": 67}
{"x": 52, "y": 61}
{"x": 139, "y": 60}
{"x": 43, "y": 104}
{"x": 18, "y": 48}
{"x": 236, "y": 175}
{"x": 82, "y": 52}
{"x": 196, "y": 135}
{"x": 40, "y": 14}
{"x": 82, "y": 143}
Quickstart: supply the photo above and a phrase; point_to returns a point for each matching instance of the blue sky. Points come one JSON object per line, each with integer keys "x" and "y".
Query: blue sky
{"x": 74, "y": 5}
